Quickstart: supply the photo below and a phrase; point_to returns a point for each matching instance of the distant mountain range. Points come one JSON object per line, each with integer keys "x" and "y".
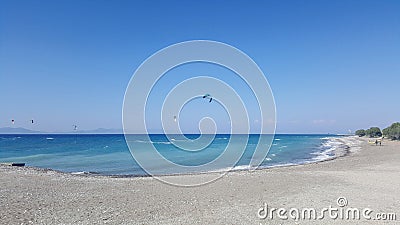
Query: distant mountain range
{"x": 20, "y": 130}
{"x": 17, "y": 130}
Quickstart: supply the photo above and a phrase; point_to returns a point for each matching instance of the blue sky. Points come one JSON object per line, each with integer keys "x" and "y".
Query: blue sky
{"x": 332, "y": 65}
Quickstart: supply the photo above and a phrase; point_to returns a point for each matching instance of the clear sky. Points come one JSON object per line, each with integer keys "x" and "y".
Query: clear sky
{"x": 332, "y": 65}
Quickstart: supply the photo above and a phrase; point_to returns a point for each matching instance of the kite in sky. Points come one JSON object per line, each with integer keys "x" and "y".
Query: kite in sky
{"x": 208, "y": 96}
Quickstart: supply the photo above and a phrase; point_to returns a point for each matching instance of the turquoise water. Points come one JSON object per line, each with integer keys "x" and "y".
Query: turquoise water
{"x": 109, "y": 154}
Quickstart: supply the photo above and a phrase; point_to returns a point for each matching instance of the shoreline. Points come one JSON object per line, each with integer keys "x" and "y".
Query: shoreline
{"x": 366, "y": 177}
{"x": 341, "y": 151}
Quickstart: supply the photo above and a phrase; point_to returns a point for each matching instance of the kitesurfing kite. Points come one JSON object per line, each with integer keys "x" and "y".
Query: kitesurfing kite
{"x": 208, "y": 96}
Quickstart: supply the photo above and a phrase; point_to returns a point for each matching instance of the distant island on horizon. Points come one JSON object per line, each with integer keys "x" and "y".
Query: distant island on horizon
{"x": 21, "y": 130}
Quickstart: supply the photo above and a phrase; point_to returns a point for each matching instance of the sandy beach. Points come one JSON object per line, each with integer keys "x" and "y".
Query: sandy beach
{"x": 368, "y": 177}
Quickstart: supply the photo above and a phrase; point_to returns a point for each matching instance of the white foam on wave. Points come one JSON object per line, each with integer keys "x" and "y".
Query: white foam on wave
{"x": 154, "y": 142}
{"x": 10, "y": 138}
{"x": 242, "y": 167}
{"x": 248, "y": 167}
{"x": 324, "y": 155}
{"x": 227, "y": 169}
{"x": 84, "y": 173}
{"x": 49, "y": 138}
{"x": 276, "y": 165}
{"x": 332, "y": 147}
{"x": 79, "y": 173}
{"x": 161, "y": 142}
{"x": 181, "y": 140}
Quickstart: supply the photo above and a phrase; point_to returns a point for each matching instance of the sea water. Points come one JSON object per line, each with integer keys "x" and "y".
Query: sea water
{"x": 108, "y": 154}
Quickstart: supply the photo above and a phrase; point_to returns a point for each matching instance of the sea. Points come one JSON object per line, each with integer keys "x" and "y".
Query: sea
{"x": 108, "y": 154}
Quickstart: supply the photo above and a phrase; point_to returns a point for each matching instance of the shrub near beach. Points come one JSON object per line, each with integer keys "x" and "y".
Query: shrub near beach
{"x": 392, "y": 132}
{"x": 374, "y": 132}
{"x": 371, "y": 132}
{"x": 360, "y": 133}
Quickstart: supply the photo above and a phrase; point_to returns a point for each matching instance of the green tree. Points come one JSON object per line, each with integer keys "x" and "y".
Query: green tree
{"x": 392, "y": 132}
{"x": 374, "y": 132}
{"x": 360, "y": 132}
